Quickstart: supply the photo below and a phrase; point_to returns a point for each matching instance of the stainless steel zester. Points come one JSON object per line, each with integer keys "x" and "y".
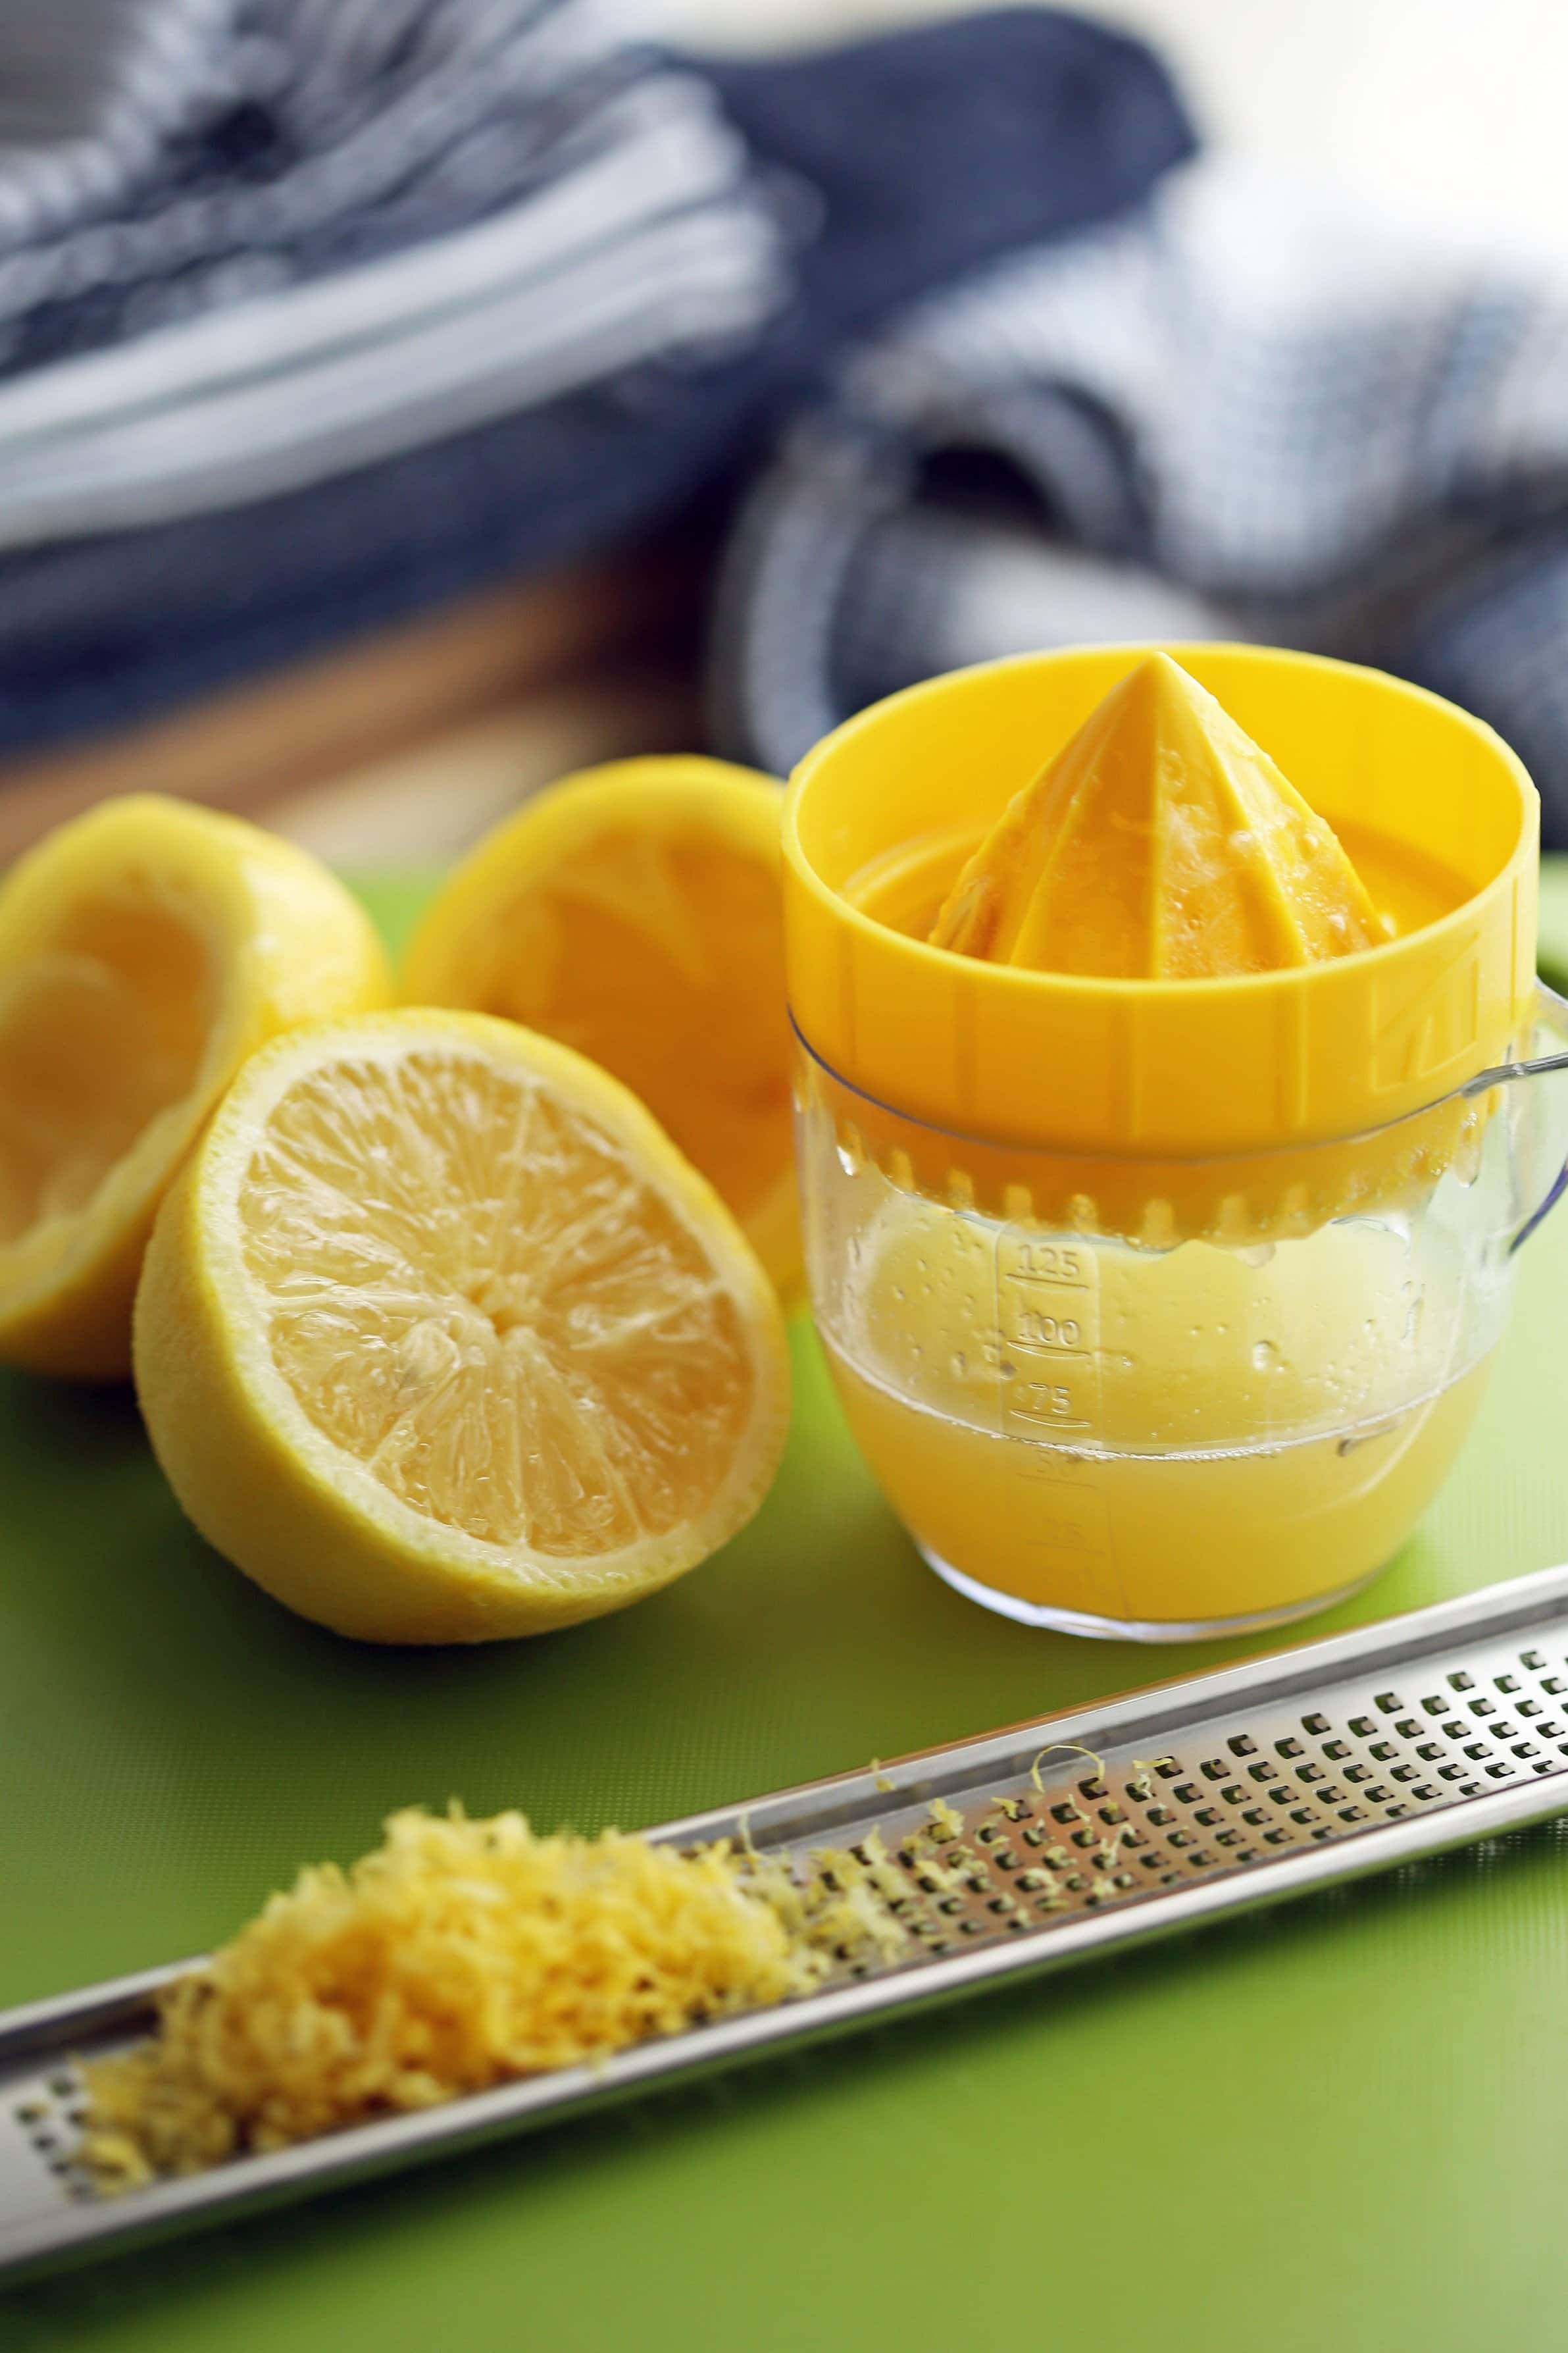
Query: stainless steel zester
{"x": 1200, "y": 1797}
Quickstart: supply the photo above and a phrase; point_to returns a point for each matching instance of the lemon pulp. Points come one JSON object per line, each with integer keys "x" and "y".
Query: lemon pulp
{"x": 440, "y": 1339}
{"x": 634, "y": 913}
{"x": 145, "y": 950}
{"x": 102, "y": 1028}
{"x": 663, "y": 960}
{"x": 471, "y": 1290}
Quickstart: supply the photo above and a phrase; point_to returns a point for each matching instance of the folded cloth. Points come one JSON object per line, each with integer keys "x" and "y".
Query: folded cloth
{"x": 352, "y": 305}
{"x": 1240, "y": 412}
{"x": 361, "y": 229}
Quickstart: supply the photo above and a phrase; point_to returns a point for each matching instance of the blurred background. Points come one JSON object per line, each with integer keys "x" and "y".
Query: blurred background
{"x": 403, "y": 402}
{"x": 1438, "y": 110}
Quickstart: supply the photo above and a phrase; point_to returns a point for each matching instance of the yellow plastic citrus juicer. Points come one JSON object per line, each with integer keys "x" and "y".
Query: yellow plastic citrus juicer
{"x": 1160, "y": 1304}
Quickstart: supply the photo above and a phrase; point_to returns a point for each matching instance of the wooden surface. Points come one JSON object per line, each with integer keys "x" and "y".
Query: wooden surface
{"x": 409, "y": 746}
{"x": 435, "y": 798}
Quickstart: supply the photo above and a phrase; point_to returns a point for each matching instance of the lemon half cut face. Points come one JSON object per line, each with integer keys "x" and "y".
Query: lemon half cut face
{"x": 145, "y": 950}
{"x": 634, "y": 912}
{"x": 441, "y": 1339}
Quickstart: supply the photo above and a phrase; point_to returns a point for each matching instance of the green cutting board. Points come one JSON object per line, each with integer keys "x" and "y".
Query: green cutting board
{"x": 1339, "y": 2126}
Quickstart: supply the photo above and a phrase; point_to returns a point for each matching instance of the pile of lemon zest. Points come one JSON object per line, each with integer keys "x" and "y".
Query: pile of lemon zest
{"x": 458, "y": 1955}
{"x": 882, "y": 1781}
{"x": 945, "y": 1821}
{"x": 1015, "y": 1808}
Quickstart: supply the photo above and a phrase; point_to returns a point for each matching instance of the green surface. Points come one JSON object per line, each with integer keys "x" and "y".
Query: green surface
{"x": 1338, "y": 2125}
{"x": 1553, "y": 932}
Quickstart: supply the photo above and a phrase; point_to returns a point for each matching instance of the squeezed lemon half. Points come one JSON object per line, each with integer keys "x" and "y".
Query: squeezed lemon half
{"x": 635, "y": 913}
{"x": 440, "y": 1339}
{"x": 145, "y": 950}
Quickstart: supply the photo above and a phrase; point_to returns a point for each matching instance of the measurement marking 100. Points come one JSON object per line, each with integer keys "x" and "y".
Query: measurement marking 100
{"x": 1035, "y": 1329}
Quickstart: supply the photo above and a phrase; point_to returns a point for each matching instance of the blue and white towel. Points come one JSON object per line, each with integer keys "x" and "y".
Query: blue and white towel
{"x": 250, "y": 244}
{"x": 1238, "y": 412}
{"x": 315, "y": 313}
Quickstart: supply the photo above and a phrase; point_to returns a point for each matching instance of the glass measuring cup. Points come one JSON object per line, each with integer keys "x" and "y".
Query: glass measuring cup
{"x": 1116, "y": 1438}
{"x": 1160, "y": 1308}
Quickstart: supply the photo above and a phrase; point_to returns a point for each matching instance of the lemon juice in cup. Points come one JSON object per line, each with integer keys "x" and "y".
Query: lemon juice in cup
{"x": 1160, "y": 1186}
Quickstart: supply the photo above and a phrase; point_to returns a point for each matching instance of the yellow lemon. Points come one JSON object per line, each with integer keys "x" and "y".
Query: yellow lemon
{"x": 440, "y": 1339}
{"x": 635, "y": 913}
{"x": 145, "y": 950}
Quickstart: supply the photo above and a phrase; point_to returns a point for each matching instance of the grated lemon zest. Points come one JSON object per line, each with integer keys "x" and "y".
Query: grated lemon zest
{"x": 943, "y": 1873}
{"x": 456, "y": 1956}
{"x": 1072, "y": 1748}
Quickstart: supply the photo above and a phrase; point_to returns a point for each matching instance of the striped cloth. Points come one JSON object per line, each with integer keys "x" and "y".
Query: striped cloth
{"x": 246, "y": 244}
{"x": 315, "y": 314}
{"x": 1236, "y": 412}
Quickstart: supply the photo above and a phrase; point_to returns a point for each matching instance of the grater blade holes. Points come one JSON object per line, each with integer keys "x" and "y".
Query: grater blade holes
{"x": 1162, "y": 1823}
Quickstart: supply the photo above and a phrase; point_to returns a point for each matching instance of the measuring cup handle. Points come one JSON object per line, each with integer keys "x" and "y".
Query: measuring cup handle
{"x": 1552, "y": 1016}
{"x": 1550, "y": 1028}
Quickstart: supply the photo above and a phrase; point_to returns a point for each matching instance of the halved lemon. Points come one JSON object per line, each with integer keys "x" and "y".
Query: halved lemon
{"x": 440, "y": 1338}
{"x": 145, "y": 950}
{"x": 634, "y": 911}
